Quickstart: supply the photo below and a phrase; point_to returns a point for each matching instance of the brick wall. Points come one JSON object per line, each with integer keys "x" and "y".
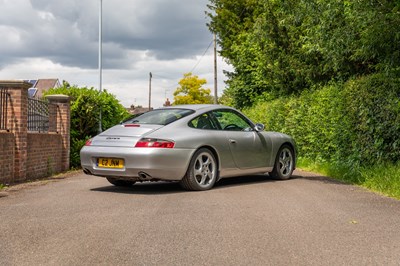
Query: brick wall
{"x": 6, "y": 157}
{"x": 26, "y": 155}
{"x": 44, "y": 155}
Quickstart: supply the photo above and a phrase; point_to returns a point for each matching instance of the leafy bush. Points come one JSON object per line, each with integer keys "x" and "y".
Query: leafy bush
{"x": 85, "y": 109}
{"x": 372, "y": 107}
{"x": 354, "y": 123}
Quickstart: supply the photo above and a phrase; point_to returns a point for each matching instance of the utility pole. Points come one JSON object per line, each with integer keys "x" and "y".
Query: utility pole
{"x": 100, "y": 56}
{"x": 150, "y": 76}
{"x": 215, "y": 71}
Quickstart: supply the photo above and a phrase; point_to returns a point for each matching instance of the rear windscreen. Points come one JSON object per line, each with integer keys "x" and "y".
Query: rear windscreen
{"x": 159, "y": 116}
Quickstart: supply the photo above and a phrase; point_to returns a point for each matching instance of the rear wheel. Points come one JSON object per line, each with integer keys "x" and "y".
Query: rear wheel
{"x": 120, "y": 183}
{"x": 202, "y": 172}
{"x": 284, "y": 163}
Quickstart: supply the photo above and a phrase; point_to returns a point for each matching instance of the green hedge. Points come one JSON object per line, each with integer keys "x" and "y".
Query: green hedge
{"x": 353, "y": 123}
{"x": 85, "y": 109}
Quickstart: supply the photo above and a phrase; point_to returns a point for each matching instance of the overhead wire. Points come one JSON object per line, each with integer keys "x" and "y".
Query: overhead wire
{"x": 198, "y": 62}
{"x": 200, "y": 59}
{"x": 191, "y": 71}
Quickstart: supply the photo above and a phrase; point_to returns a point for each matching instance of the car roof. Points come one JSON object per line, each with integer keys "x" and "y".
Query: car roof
{"x": 197, "y": 107}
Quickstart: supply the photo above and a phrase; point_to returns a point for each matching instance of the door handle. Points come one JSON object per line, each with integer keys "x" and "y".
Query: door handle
{"x": 232, "y": 141}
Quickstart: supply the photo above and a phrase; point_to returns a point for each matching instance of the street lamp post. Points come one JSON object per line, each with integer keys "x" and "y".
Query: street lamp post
{"x": 150, "y": 76}
{"x": 215, "y": 71}
{"x": 100, "y": 55}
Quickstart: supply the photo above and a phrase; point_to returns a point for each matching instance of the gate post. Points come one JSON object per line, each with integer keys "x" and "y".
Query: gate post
{"x": 63, "y": 124}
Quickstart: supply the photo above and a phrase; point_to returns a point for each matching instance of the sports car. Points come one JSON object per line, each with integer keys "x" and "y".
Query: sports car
{"x": 196, "y": 145}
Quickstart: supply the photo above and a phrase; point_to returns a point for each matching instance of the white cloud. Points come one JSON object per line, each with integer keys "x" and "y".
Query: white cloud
{"x": 46, "y": 16}
{"x": 59, "y": 39}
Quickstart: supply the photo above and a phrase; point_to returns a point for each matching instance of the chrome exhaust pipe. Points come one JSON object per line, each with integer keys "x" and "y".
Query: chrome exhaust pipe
{"x": 86, "y": 171}
{"x": 144, "y": 176}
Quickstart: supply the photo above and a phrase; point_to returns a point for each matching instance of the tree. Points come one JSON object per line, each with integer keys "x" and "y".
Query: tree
{"x": 191, "y": 91}
{"x": 85, "y": 108}
{"x": 281, "y": 48}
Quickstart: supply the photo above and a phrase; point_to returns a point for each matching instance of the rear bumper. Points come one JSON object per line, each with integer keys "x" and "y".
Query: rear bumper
{"x": 139, "y": 163}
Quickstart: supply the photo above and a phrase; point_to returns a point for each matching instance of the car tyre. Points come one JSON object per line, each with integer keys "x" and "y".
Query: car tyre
{"x": 120, "y": 183}
{"x": 284, "y": 163}
{"x": 202, "y": 172}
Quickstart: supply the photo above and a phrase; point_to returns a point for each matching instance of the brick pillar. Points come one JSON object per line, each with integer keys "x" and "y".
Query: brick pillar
{"x": 63, "y": 125}
{"x": 18, "y": 121}
{"x": 53, "y": 111}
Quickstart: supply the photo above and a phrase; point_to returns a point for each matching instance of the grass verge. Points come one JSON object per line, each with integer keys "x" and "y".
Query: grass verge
{"x": 37, "y": 182}
{"x": 383, "y": 179}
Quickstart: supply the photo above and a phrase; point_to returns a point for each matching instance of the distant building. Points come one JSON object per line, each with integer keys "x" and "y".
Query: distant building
{"x": 39, "y": 86}
{"x": 133, "y": 110}
{"x": 167, "y": 103}
{"x": 138, "y": 109}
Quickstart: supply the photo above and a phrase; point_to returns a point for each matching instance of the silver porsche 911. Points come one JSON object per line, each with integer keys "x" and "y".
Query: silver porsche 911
{"x": 194, "y": 144}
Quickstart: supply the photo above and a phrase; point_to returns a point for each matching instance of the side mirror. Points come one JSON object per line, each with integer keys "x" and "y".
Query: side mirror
{"x": 259, "y": 127}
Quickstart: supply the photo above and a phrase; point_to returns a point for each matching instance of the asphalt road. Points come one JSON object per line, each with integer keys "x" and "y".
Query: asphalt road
{"x": 308, "y": 220}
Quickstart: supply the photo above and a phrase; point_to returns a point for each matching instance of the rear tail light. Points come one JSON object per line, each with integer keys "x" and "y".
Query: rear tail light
{"x": 131, "y": 125}
{"x": 155, "y": 143}
{"x": 88, "y": 142}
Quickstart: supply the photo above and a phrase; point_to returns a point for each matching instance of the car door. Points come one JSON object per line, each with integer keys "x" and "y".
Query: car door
{"x": 208, "y": 131}
{"x": 248, "y": 147}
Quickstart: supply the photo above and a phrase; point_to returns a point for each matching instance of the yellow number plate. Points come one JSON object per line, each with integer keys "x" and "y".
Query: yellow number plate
{"x": 110, "y": 163}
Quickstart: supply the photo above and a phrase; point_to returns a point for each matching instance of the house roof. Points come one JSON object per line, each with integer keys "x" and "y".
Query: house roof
{"x": 45, "y": 84}
{"x": 41, "y": 85}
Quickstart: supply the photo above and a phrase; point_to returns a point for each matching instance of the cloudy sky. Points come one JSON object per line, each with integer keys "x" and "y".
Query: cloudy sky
{"x": 59, "y": 39}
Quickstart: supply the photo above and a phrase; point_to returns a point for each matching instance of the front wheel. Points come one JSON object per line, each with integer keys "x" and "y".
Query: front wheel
{"x": 202, "y": 172}
{"x": 120, "y": 183}
{"x": 284, "y": 163}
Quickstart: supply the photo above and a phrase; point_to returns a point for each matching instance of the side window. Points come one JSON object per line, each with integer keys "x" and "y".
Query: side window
{"x": 203, "y": 121}
{"x": 230, "y": 120}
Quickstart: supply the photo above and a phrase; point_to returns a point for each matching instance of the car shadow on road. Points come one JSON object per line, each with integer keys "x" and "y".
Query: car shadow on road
{"x": 151, "y": 188}
{"x": 317, "y": 177}
{"x": 243, "y": 181}
{"x": 144, "y": 188}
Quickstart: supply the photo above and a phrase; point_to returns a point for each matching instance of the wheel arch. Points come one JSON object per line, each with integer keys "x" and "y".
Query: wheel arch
{"x": 190, "y": 182}
{"x": 215, "y": 153}
{"x": 293, "y": 147}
